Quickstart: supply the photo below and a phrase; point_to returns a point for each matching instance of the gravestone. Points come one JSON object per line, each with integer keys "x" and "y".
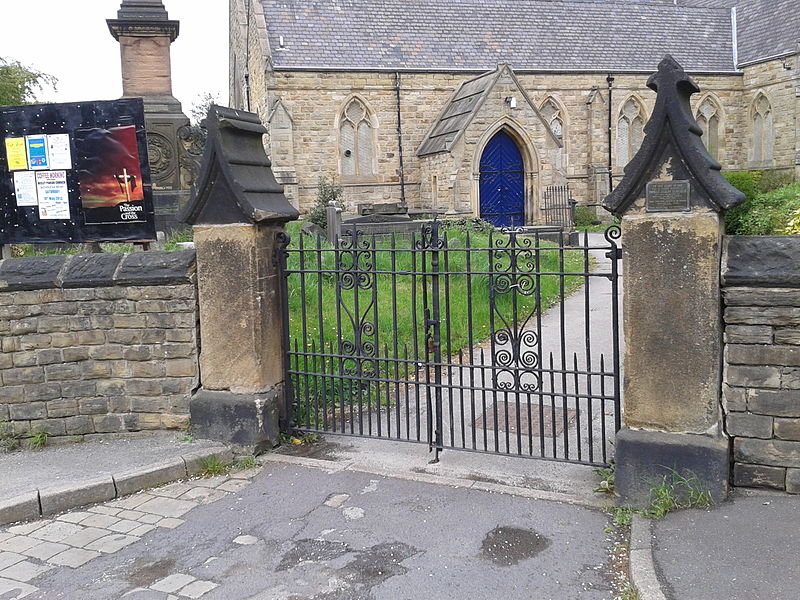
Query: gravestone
{"x": 670, "y": 201}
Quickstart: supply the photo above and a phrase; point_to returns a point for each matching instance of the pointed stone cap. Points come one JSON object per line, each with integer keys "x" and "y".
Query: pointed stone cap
{"x": 673, "y": 150}
{"x": 236, "y": 183}
{"x": 143, "y": 18}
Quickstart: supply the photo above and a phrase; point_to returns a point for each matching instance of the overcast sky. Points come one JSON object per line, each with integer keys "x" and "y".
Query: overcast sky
{"x": 70, "y": 39}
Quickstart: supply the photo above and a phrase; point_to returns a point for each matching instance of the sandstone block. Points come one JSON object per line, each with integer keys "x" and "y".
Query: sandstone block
{"x": 42, "y": 391}
{"x": 93, "y": 406}
{"x": 750, "y": 376}
{"x": 763, "y": 355}
{"x": 777, "y": 453}
{"x": 79, "y": 425}
{"x": 23, "y": 375}
{"x": 749, "y": 425}
{"x": 75, "y": 354}
{"x": 759, "y": 476}
{"x": 790, "y": 335}
{"x": 793, "y": 481}
{"x": 49, "y": 356}
{"x": 27, "y": 411}
{"x": 62, "y": 407}
{"x": 748, "y": 334}
{"x": 62, "y": 372}
{"x": 787, "y": 429}
{"x": 108, "y": 424}
{"x": 20, "y": 508}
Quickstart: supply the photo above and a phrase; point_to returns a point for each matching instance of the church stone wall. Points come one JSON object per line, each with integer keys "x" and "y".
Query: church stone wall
{"x": 781, "y": 86}
{"x": 314, "y": 100}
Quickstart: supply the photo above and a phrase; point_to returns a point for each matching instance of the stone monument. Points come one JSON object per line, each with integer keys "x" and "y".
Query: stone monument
{"x": 670, "y": 201}
{"x": 145, "y": 34}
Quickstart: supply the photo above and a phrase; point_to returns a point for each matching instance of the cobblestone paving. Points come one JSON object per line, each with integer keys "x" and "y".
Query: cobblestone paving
{"x": 74, "y": 538}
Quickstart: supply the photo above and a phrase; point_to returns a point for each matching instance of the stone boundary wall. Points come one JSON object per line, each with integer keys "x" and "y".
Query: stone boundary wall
{"x": 98, "y": 343}
{"x": 761, "y": 389}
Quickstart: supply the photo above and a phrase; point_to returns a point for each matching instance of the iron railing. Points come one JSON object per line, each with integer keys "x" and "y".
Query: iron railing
{"x": 558, "y": 207}
{"x": 488, "y": 342}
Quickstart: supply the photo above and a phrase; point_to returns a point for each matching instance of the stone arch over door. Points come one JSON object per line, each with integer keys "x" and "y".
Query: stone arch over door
{"x": 530, "y": 168}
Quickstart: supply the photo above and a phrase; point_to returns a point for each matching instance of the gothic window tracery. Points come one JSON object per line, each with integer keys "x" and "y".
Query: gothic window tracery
{"x": 356, "y": 140}
{"x": 763, "y": 130}
{"x": 708, "y": 118}
{"x": 630, "y": 131}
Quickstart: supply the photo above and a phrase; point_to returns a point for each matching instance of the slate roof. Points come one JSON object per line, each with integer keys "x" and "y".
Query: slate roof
{"x": 477, "y": 35}
{"x": 458, "y": 114}
{"x": 767, "y": 28}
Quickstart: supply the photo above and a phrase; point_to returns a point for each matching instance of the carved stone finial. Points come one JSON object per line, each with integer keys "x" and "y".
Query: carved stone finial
{"x": 236, "y": 183}
{"x": 673, "y": 149}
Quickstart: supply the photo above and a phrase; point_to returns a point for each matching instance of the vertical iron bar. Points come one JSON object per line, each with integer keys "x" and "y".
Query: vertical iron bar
{"x": 281, "y": 249}
{"x": 376, "y": 345}
{"x": 515, "y": 334}
{"x": 553, "y": 407}
{"x": 539, "y": 349}
{"x": 437, "y": 335}
{"x": 614, "y": 255}
{"x": 468, "y": 262}
{"x": 577, "y": 405}
{"x": 304, "y": 326}
{"x": 448, "y": 338}
{"x": 603, "y": 405}
{"x": 396, "y": 353}
{"x": 415, "y": 327}
{"x": 563, "y": 337}
{"x": 483, "y": 400}
{"x": 496, "y": 422}
{"x": 339, "y": 338}
{"x": 321, "y": 326}
{"x": 588, "y": 343}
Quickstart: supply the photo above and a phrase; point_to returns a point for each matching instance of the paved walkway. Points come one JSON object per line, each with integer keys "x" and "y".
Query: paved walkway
{"x": 744, "y": 549}
{"x": 293, "y": 532}
{"x": 67, "y": 463}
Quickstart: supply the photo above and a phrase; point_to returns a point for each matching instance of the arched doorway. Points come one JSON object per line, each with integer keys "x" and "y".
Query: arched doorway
{"x": 502, "y": 182}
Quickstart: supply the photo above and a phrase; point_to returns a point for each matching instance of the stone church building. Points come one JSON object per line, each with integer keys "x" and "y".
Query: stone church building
{"x": 477, "y": 107}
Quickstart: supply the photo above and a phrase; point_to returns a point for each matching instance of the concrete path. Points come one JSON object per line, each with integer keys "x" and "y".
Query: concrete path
{"x": 744, "y": 549}
{"x": 67, "y": 463}
{"x": 293, "y": 532}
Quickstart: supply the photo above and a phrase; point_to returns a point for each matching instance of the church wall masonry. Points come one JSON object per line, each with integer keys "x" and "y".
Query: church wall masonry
{"x": 315, "y": 99}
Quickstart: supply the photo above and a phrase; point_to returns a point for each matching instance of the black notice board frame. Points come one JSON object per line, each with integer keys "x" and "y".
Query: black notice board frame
{"x": 21, "y": 224}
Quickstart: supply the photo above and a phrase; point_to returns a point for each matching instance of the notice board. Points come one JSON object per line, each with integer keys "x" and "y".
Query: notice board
{"x": 75, "y": 172}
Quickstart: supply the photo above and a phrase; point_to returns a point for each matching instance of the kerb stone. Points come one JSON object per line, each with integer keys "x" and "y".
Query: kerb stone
{"x": 20, "y": 508}
{"x": 149, "y": 477}
{"x": 58, "y": 500}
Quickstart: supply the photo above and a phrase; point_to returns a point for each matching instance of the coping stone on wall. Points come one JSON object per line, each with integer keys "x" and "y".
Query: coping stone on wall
{"x": 761, "y": 261}
{"x": 97, "y": 270}
{"x": 17, "y": 274}
{"x": 91, "y": 270}
{"x": 148, "y": 268}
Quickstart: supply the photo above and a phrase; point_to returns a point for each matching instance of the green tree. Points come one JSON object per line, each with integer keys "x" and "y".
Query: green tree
{"x": 20, "y": 84}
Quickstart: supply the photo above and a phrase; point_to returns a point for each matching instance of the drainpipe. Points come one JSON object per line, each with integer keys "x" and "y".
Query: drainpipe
{"x": 610, "y": 81}
{"x": 400, "y": 139}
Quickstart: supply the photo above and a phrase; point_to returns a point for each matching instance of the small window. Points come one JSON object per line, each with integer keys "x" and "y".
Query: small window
{"x": 630, "y": 131}
{"x": 708, "y": 119}
{"x": 356, "y": 140}
{"x": 763, "y": 132}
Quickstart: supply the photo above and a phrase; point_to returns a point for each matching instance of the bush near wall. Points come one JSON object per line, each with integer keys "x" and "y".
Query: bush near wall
{"x": 772, "y": 201}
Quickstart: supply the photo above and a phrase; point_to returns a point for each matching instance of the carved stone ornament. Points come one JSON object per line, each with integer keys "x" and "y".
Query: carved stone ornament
{"x": 161, "y": 155}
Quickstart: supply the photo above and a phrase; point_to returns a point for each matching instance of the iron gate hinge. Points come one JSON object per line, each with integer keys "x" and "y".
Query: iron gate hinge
{"x": 614, "y": 254}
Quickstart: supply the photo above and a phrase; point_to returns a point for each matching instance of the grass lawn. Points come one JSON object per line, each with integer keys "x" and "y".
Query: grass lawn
{"x": 394, "y": 298}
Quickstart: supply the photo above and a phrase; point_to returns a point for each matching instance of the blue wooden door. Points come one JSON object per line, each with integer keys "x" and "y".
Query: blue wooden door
{"x": 502, "y": 182}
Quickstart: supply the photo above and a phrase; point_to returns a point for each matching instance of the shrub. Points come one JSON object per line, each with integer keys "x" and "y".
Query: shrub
{"x": 327, "y": 191}
{"x": 585, "y": 217}
{"x": 770, "y": 203}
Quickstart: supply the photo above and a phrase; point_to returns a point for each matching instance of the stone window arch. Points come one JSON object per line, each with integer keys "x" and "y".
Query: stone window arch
{"x": 630, "y": 130}
{"x": 356, "y": 140}
{"x": 763, "y": 130}
{"x": 709, "y": 117}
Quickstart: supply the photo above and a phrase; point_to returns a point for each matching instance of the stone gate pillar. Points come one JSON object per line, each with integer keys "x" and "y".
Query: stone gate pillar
{"x": 670, "y": 202}
{"x": 237, "y": 212}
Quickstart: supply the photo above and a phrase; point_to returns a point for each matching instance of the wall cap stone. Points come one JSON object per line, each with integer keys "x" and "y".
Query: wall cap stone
{"x": 761, "y": 261}
{"x": 97, "y": 270}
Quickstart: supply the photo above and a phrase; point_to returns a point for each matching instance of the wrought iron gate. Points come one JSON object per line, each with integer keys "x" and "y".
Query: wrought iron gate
{"x": 492, "y": 341}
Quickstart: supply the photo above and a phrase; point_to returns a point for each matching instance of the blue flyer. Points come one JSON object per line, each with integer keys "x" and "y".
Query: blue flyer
{"x": 36, "y": 146}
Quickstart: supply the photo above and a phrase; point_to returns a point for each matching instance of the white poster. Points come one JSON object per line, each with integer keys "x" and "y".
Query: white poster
{"x": 58, "y": 151}
{"x": 25, "y": 188}
{"x": 53, "y": 194}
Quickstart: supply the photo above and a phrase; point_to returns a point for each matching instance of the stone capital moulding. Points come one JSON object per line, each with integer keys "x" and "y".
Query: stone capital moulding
{"x": 673, "y": 149}
{"x": 236, "y": 183}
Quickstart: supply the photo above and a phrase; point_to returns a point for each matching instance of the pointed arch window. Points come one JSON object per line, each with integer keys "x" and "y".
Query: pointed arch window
{"x": 630, "y": 131}
{"x": 708, "y": 118}
{"x": 356, "y": 146}
{"x": 763, "y": 131}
